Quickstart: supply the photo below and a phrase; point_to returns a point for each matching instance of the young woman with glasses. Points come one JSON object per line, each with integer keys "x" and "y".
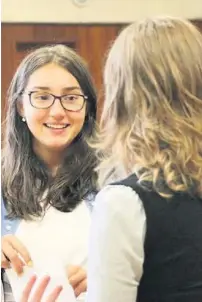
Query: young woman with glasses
{"x": 48, "y": 179}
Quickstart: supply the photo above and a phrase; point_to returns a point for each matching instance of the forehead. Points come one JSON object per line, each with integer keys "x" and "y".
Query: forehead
{"x": 52, "y": 76}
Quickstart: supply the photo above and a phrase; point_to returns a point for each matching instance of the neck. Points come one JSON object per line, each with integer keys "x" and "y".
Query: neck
{"x": 52, "y": 158}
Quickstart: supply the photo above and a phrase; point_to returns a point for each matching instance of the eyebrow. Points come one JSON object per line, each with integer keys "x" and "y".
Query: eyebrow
{"x": 70, "y": 88}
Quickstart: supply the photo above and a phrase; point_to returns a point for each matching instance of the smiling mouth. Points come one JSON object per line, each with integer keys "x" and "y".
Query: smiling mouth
{"x": 57, "y": 126}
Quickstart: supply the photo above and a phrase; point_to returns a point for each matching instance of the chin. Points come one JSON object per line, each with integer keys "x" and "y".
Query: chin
{"x": 59, "y": 147}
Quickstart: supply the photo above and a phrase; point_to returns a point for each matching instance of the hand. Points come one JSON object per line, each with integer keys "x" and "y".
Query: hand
{"x": 38, "y": 294}
{"x": 12, "y": 250}
{"x": 77, "y": 279}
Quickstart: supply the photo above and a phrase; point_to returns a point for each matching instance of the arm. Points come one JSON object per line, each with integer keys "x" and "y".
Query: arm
{"x": 116, "y": 253}
{"x": 12, "y": 249}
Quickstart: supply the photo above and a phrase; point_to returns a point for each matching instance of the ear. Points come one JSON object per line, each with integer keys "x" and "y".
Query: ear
{"x": 20, "y": 107}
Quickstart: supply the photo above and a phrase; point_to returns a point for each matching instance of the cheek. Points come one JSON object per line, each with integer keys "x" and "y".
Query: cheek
{"x": 77, "y": 119}
{"x": 34, "y": 118}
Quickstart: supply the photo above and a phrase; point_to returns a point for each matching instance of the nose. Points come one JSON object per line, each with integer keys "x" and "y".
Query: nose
{"x": 56, "y": 110}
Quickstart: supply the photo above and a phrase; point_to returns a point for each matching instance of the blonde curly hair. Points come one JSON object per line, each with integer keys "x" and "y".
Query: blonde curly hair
{"x": 151, "y": 123}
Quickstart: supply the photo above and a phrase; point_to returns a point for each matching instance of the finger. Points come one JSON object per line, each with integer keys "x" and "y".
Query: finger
{"x": 26, "y": 292}
{"x": 4, "y": 262}
{"x": 55, "y": 294}
{"x": 12, "y": 255}
{"x": 81, "y": 288}
{"x": 77, "y": 278}
{"x": 20, "y": 248}
{"x": 40, "y": 289}
{"x": 72, "y": 270}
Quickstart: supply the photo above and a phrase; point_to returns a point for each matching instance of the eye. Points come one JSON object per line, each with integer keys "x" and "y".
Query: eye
{"x": 41, "y": 96}
{"x": 71, "y": 97}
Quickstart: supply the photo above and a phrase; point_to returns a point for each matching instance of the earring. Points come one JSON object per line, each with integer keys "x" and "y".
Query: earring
{"x": 23, "y": 119}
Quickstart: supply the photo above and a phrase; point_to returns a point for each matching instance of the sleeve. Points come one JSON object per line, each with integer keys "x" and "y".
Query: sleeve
{"x": 116, "y": 249}
{"x": 2, "y": 291}
{"x": 8, "y": 226}
{"x": 6, "y": 290}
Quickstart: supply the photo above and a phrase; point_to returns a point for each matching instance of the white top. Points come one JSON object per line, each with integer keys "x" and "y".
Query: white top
{"x": 54, "y": 241}
{"x": 116, "y": 252}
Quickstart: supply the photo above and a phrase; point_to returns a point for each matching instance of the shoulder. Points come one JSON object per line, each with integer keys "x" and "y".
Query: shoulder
{"x": 121, "y": 202}
{"x": 119, "y": 196}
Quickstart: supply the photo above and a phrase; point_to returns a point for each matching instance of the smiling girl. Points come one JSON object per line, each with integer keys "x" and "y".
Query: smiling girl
{"x": 48, "y": 181}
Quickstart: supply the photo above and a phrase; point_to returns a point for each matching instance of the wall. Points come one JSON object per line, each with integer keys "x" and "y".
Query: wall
{"x": 96, "y": 11}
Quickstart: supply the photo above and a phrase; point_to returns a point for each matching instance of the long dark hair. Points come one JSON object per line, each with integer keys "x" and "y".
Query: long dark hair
{"x": 25, "y": 177}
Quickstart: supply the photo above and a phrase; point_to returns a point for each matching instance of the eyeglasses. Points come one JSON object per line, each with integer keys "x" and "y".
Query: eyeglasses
{"x": 44, "y": 100}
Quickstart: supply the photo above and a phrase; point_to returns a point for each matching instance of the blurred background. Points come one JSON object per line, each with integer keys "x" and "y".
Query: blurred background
{"x": 88, "y": 26}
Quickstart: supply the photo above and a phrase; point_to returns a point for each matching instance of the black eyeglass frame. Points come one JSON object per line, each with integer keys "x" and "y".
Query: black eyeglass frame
{"x": 85, "y": 97}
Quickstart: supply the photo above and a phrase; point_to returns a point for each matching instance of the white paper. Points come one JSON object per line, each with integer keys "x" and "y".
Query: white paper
{"x": 58, "y": 277}
{"x": 55, "y": 242}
